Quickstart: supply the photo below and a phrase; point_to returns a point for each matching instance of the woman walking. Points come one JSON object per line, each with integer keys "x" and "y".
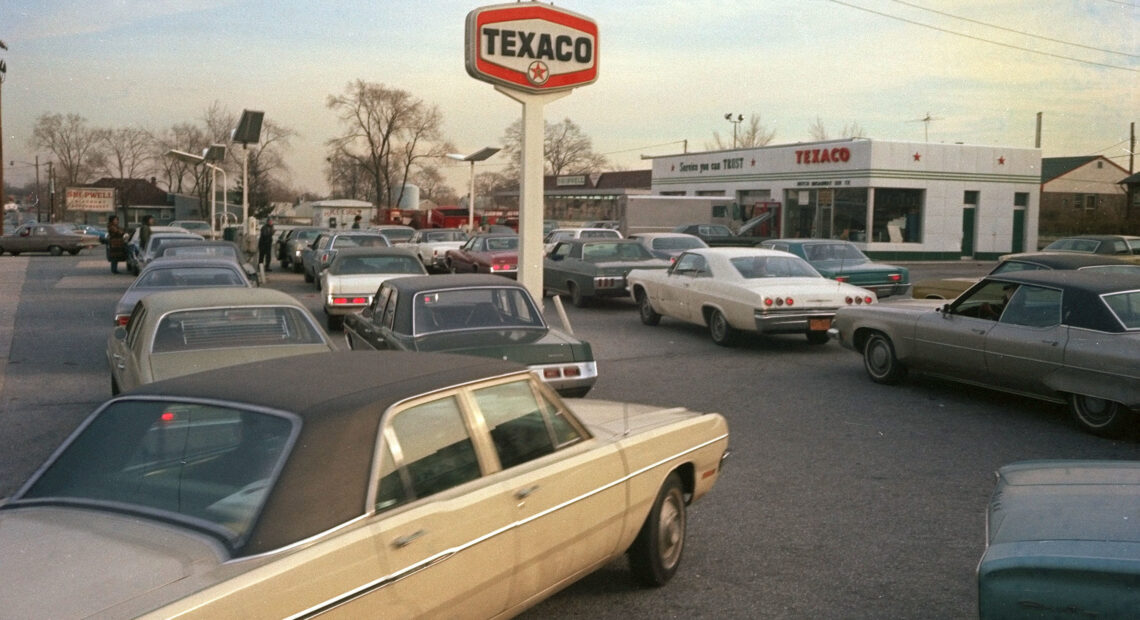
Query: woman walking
{"x": 116, "y": 244}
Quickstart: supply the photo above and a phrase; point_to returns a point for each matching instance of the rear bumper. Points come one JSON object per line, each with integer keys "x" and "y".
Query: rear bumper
{"x": 571, "y": 379}
{"x": 794, "y": 322}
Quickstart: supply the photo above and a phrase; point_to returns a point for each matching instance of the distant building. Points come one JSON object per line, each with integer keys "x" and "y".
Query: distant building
{"x": 135, "y": 198}
{"x": 336, "y": 213}
{"x": 583, "y": 197}
{"x": 1084, "y": 194}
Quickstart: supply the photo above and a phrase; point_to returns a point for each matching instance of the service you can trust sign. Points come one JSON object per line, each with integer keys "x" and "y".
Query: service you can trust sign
{"x": 533, "y": 47}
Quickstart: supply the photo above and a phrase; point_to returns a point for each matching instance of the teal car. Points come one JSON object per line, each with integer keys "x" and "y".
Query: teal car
{"x": 1062, "y": 541}
{"x": 472, "y": 314}
{"x": 587, "y": 268}
{"x": 844, "y": 261}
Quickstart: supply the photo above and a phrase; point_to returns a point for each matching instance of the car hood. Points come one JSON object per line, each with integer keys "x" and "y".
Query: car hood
{"x": 525, "y": 346}
{"x": 74, "y": 563}
{"x": 360, "y": 284}
{"x": 622, "y": 267}
{"x": 176, "y": 364}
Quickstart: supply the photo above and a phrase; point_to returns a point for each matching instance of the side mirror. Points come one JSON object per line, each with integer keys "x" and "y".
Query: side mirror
{"x": 944, "y": 310}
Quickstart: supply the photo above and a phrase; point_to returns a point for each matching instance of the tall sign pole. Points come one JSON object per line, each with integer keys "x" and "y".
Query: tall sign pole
{"x": 535, "y": 54}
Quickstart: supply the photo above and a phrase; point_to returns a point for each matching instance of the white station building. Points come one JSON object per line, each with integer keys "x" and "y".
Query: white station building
{"x": 896, "y": 200}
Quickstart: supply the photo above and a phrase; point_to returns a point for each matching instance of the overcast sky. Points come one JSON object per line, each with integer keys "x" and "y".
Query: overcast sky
{"x": 669, "y": 70}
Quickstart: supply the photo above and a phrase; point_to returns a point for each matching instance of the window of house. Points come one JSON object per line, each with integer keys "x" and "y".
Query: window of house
{"x": 970, "y": 198}
{"x": 1021, "y": 199}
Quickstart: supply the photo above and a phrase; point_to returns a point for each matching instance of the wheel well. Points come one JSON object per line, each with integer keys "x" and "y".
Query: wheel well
{"x": 859, "y": 338}
{"x": 638, "y": 291}
{"x": 706, "y": 313}
{"x": 688, "y": 475}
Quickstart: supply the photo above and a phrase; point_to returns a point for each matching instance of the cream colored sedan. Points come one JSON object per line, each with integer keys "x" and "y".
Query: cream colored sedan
{"x": 351, "y": 485}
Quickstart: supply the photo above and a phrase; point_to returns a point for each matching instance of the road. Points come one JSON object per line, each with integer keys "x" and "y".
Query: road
{"x": 843, "y": 498}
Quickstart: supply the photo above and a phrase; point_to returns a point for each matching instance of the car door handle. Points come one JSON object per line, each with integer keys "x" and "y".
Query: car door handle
{"x": 404, "y": 541}
{"x": 978, "y": 331}
{"x": 1051, "y": 343}
{"x": 525, "y": 493}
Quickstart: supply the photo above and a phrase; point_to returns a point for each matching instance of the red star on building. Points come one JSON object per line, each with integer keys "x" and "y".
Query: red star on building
{"x": 1001, "y": 161}
{"x": 538, "y": 72}
{"x": 917, "y": 157}
{"x": 753, "y": 163}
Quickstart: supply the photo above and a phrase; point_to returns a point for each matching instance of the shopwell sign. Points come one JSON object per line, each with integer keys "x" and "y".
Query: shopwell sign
{"x": 90, "y": 199}
{"x": 532, "y": 47}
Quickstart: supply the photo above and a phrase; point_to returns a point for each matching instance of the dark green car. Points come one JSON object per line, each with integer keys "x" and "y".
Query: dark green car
{"x": 588, "y": 268}
{"x": 472, "y": 314}
{"x": 844, "y": 261}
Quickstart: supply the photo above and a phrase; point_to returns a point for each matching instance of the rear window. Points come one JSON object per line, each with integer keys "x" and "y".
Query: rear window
{"x": 599, "y": 234}
{"x": 228, "y": 328}
{"x": 677, "y": 243}
{"x": 603, "y": 252}
{"x": 189, "y": 276}
{"x": 220, "y": 251}
{"x": 475, "y": 308}
{"x": 1126, "y": 307}
{"x": 349, "y": 265}
{"x": 205, "y": 463}
{"x": 374, "y": 241}
{"x": 774, "y": 267}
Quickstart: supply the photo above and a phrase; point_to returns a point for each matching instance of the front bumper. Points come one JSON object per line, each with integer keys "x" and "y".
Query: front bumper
{"x": 794, "y": 321}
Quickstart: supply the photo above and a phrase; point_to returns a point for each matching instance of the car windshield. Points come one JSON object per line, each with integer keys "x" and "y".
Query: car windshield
{"x": 193, "y": 226}
{"x": 158, "y": 243}
{"x": 305, "y": 235}
{"x": 222, "y": 251}
{"x": 209, "y": 465}
{"x": 398, "y": 234}
{"x": 188, "y": 276}
{"x": 677, "y": 243}
{"x": 360, "y": 241}
{"x": 475, "y": 308}
{"x": 1126, "y": 307}
{"x": 229, "y": 328}
{"x": 833, "y": 251}
{"x": 599, "y": 234}
{"x": 502, "y": 243}
{"x": 1073, "y": 245}
{"x": 605, "y": 252}
{"x": 347, "y": 265}
{"x": 773, "y": 267}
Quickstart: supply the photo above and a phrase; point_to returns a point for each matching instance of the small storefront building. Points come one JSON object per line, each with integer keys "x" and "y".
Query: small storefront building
{"x": 896, "y": 200}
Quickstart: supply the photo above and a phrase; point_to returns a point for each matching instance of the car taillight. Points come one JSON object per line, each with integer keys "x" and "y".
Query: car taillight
{"x": 121, "y": 319}
{"x": 502, "y": 267}
{"x": 842, "y": 279}
{"x": 895, "y": 277}
{"x": 340, "y": 301}
{"x": 779, "y": 301}
{"x": 868, "y": 299}
{"x": 564, "y": 371}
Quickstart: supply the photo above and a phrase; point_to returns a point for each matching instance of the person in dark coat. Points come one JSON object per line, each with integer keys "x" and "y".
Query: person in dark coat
{"x": 356, "y": 222}
{"x": 144, "y": 232}
{"x": 265, "y": 244}
{"x": 116, "y": 243}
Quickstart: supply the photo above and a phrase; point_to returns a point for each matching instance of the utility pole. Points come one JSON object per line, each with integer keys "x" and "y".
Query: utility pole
{"x": 3, "y": 194}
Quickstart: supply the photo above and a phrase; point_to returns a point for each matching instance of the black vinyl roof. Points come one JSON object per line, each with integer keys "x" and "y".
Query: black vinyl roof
{"x": 1067, "y": 260}
{"x": 1081, "y": 305}
{"x": 416, "y": 284}
{"x": 340, "y": 399}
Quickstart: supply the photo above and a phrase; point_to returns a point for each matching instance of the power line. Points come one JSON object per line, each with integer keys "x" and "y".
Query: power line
{"x": 642, "y": 148}
{"x": 983, "y": 40}
{"x": 1020, "y": 32}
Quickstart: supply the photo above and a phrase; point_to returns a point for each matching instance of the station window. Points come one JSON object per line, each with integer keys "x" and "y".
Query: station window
{"x": 897, "y": 215}
{"x": 1021, "y": 199}
{"x": 970, "y": 198}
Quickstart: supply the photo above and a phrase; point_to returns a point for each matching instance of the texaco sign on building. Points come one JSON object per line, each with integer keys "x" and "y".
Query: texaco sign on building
{"x": 532, "y": 47}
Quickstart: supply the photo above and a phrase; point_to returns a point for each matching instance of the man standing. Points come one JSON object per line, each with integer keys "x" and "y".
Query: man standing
{"x": 356, "y": 222}
{"x": 265, "y": 244}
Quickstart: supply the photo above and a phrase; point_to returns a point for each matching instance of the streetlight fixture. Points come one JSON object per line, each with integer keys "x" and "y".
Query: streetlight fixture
{"x": 479, "y": 155}
{"x": 247, "y": 132}
{"x": 214, "y": 152}
{"x": 735, "y": 121}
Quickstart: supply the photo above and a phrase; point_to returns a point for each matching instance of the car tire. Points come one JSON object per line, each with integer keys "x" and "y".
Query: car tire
{"x": 649, "y": 316}
{"x": 817, "y": 337}
{"x": 576, "y": 297}
{"x": 73, "y": 252}
{"x": 55, "y": 250}
{"x": 1099, "y": 416}
{"x": 308, "y": 277}
{"x": 719, "y": 330}
{"x": 333, "y": 322}
{"x": 880, "y": 361}
{"x": 655, "y": 554}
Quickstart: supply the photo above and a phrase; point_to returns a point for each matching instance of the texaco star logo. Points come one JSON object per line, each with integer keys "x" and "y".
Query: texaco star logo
{"x": 538, "y": 73}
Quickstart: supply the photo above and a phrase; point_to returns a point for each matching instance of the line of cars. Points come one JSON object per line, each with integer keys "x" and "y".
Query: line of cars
{"x": 242, "y": 456}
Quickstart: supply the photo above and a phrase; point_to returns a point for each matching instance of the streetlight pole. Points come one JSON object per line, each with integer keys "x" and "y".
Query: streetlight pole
{"x": 479, "y": 155}
{"x": 735, "y": 122}
{"x": 3, "y": 194}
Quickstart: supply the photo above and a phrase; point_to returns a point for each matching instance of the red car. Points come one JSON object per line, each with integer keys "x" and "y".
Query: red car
{"x": 496, "y": 253}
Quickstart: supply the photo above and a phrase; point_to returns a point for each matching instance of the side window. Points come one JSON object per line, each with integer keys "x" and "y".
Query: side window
{"x": 523, "y": 425}
{"x": 134, "y": 324}
{"x": 986, "y": 302}
{"x": 689, "y": 264}
{"x": 431, "y": 450}
{"x": 562, "y": 250}
{"x": 1033, "y": 306}
{"x": 378, "y": 302}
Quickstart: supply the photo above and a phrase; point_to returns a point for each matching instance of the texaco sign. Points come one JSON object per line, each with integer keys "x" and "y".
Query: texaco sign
{"x": 532, "y": 47}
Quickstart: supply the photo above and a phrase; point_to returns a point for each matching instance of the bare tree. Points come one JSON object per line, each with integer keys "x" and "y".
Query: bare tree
{"x": 386, "y": 132}
{"x": 752, "y": 135}
{"x": 127, "y": 153}
{"x": 266, "y": 159}
{"x": 432, "y": 185}
{"x": 566, "y": 149}
{"x": 818, "y": 131}
{"x": 74, "y": 144}
{"x": 347, "y": 179}
{"x": 180, "y": 177}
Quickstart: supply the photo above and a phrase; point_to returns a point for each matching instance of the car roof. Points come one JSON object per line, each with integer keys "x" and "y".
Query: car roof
{"x": 806, "y": 240}
{"x": 325, "y": 480}
{"x": 185, "y": 299}
{"x": 1065, "y": 260}
{"x": 375, "y": 251}
{"x": 416, "y": 284}
{"x": 174, "y": 262}
{"x": 497, "y": 235}
{"x": 733, "y": 252}
{"x": 1095, "y": 282}
{"x": 658, "y": 235}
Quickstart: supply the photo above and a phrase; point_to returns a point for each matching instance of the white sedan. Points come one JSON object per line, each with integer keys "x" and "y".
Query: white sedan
{"x": 732, "y": 289}
{"x": 355, "y": 274}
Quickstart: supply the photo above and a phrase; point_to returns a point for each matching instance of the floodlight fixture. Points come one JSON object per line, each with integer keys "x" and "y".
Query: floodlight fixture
{"x": 183, "y": 156}
{"x": 214, "y": 152}
{"x": 249, "y": 128}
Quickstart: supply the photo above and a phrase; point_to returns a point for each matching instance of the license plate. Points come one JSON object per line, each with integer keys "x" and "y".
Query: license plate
{"x": 819, "y": 325}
